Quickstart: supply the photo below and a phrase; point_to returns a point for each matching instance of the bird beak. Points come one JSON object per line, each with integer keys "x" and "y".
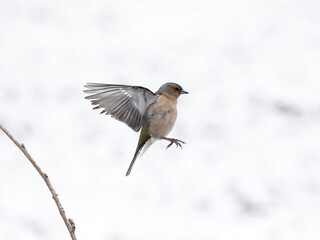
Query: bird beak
{"x": 183, "y": 92}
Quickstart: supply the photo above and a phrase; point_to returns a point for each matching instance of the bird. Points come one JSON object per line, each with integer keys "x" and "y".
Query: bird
{"x": 154, "y": 113}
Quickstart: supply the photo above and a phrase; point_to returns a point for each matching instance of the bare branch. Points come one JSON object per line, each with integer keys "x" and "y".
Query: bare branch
{"x": 68, "y": 222}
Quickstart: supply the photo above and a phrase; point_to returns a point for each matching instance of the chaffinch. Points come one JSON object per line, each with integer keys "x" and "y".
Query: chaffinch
{"x": 138, "y": 107}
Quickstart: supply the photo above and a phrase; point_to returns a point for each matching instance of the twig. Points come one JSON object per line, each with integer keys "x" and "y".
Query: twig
{"x": 68, "y": 221}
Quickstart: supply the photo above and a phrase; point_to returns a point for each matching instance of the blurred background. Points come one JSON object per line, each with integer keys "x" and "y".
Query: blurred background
{"x": 250, "y": 169}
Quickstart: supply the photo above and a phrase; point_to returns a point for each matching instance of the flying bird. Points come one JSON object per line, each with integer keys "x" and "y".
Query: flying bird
{"x": 139, "y": 108}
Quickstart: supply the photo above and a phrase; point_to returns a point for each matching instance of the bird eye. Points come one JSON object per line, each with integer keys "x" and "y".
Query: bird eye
{"x": 177, "y": 89}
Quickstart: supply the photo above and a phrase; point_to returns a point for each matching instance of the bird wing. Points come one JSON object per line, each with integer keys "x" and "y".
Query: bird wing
{"x": 127, "y": 104}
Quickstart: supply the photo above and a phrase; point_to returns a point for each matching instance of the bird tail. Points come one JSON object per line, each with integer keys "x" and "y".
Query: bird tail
{"x": 147, "y": 145}
{"x": 133, "y": 160}
{"x": 136, "y": 154}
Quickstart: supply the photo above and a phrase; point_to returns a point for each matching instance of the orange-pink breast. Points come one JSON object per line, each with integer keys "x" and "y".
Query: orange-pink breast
{"x": 163, "y": 115}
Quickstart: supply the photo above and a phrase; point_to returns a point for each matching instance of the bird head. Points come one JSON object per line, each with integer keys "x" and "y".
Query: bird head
{"x": 171, "y": 89}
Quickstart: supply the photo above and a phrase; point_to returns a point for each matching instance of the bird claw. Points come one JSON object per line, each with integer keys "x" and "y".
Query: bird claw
{"x": 177, "y": 142}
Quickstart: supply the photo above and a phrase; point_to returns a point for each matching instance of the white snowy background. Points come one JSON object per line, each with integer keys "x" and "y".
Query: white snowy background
{"x": 250, "y": 169}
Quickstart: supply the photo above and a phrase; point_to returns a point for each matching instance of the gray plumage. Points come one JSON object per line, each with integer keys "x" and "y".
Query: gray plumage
{"x": 127, "y": 104}
{"x": 164, "y": 88}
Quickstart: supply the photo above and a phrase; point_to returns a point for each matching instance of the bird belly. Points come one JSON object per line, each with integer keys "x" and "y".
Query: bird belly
{"x": 162, "y": 116}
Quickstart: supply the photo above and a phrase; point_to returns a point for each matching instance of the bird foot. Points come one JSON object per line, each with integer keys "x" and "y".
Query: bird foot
{"x": 177, "y": 142}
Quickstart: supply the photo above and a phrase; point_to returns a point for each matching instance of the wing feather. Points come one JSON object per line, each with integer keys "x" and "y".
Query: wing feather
{"x": 127, "y": 104}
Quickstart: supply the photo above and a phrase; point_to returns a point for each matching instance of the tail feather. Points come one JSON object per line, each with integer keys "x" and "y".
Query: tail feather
{"x": 136, "y": 154}
{"x": 147, "y": 145}
{"x": 143, "y": 139}
{"x": 133, "y": 160}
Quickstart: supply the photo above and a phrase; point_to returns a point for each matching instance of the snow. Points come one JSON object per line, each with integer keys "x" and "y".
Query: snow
{"x": 250, "y": 167}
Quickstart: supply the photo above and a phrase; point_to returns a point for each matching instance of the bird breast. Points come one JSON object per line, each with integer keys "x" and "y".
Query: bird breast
{"x": 162, "y": 116}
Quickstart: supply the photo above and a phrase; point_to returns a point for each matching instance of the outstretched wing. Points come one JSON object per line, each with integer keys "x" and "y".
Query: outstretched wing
{"x": 127, "y": 104}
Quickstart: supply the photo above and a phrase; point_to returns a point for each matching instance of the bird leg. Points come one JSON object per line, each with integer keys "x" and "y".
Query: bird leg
{"x": 177, "y": 142}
